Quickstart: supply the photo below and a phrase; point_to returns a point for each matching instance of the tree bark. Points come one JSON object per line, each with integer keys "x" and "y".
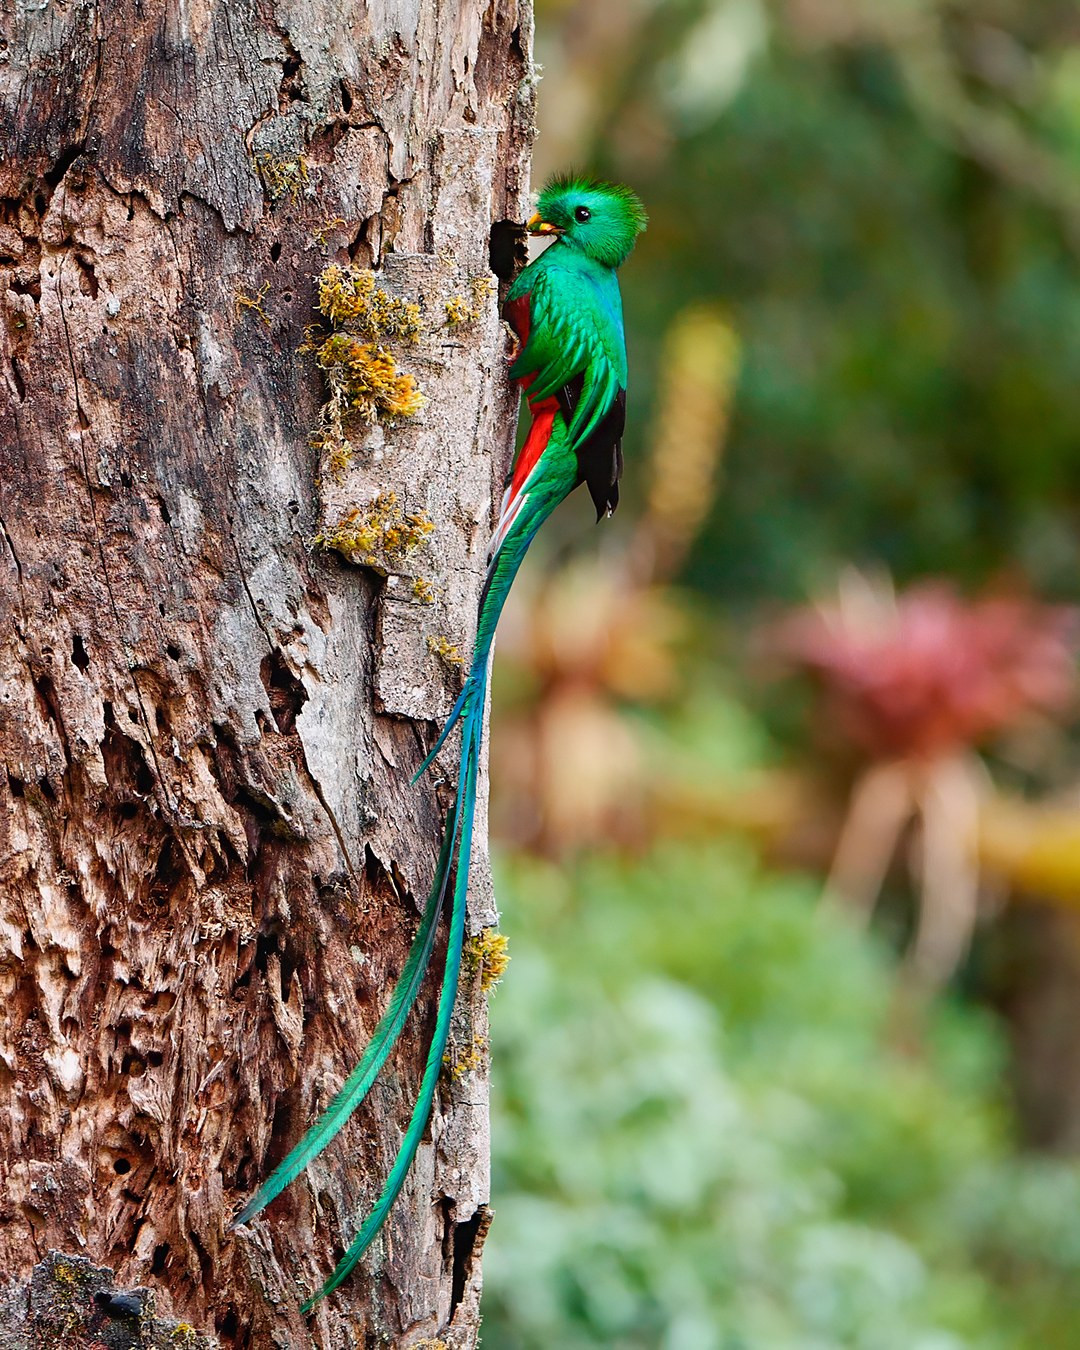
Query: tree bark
{"x": 210, "y": 851}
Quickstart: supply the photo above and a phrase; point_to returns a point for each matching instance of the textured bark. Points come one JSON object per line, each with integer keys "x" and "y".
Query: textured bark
{"x": 210, "y": 852}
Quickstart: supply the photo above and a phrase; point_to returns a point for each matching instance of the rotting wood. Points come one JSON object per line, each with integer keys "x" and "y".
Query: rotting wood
{"x": 210, "y": 853}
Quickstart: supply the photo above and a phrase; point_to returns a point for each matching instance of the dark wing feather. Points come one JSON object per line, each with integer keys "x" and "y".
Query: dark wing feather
{"x": 600, "y": 454}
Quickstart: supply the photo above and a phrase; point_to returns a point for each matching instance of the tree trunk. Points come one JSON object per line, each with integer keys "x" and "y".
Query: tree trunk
{"x": 210, "y": 851}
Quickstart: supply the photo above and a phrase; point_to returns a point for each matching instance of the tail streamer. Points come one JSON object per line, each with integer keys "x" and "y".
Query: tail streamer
{"x": 462, "y": 826}
{"x": 359, "y": 1082}
{"x": 451, "y": 879}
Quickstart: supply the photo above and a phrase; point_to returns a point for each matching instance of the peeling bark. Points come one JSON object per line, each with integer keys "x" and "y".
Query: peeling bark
{"x": 210, "y": 853}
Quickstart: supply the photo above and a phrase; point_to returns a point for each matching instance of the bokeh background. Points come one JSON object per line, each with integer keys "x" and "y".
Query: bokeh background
{"x": 785, "y": 758}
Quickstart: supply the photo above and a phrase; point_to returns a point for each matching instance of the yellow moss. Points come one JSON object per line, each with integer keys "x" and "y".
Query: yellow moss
{"x": 340, "y": 458}
{"x": 282, "y": 177}
{"x": 364, "y": 381}
{"x": 184, "y": 1332}
{"x": 333, "y": 447}
{"x": 379, "y": 535}
{"x": 349, "y": 298}
{"x": 62, "y": 1273}
{"x": 487, "y": 953}
{"x": 461, "y": 310}
{"x": 361, "y": 371}
{"x": 364, "y": 378}
{"x": 423, "y": 590}
{"x": 468, "y": 1061}
{"x": 244, "y": 301}
{"x": 429, "y": 1344}
{"x": 458, "y": 311}
{"x": 313, "y": 336}
{"x": 321, "y": 233}
{"x": 445, "y": 650}
{"x": 345, "y": 293}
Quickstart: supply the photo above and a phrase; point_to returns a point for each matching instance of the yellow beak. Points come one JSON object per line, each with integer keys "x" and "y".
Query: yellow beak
{"x": 537, "y": 226}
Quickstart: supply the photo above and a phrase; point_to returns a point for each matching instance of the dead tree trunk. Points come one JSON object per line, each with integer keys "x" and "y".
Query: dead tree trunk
{"x": 210, "y": 853}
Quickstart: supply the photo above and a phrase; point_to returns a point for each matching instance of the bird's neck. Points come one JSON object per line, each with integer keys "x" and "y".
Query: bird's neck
{"x": 564, "y": 252}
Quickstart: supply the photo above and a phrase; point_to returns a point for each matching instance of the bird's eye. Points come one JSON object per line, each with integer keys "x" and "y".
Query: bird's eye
{"x": 583, "y": 214}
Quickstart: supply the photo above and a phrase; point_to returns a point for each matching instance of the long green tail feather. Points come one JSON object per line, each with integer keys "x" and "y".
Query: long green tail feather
{"x": 501, "y": 573}
{"x": 456, "y": 847}
{"x": 455, "y": 712}
{"x": 359, "y": 1082}
{"x": 464, "y": 813}
{"x": 469, "y": 708}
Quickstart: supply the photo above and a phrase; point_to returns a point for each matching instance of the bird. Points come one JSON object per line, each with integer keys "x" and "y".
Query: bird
{"x": 569, "y": 359}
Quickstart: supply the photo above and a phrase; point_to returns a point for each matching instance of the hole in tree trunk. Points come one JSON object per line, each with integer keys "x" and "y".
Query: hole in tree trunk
{"x": 466, "y": 1240}
{"x": 88, "y": 282}
{"x": 63, "y": 162}
{"x": 168, "y": 874}
{"x": 507, "y": 249}
{"x": 286, "y": 693}
{"x": 229, "y": 1324}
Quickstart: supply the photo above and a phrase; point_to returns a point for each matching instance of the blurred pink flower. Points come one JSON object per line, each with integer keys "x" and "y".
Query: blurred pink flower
{"x": 928, "y": 673}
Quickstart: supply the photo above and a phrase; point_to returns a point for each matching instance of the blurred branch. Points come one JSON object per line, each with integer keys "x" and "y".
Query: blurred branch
{"x": 1034, "y": 847}
{"x": 934, "y": 69}
{"x": 992, "y": 136}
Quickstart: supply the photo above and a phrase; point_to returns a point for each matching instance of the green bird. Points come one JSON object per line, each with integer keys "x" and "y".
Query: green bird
{"x": 566, "y": 311}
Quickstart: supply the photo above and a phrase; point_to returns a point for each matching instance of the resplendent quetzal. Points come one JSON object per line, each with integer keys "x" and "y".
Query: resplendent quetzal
{"x": 566, "y": 311}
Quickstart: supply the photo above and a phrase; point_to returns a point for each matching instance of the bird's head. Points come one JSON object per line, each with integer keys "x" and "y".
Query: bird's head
{"x": 601, "y": 219}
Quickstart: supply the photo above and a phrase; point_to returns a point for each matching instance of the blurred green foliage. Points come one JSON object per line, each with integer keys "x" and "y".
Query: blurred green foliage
{"x": 886, "y": 196}
{"x": 711, "y": 1132}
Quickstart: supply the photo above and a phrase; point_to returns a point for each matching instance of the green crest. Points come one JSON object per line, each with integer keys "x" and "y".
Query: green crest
{"x": 601, "y": 219}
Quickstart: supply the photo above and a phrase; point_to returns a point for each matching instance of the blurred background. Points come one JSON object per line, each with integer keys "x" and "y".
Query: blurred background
{"x": 786, "y": 757}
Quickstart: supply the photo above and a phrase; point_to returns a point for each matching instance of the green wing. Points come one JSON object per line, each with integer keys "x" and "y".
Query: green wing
{"x": 575, "y": 330}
